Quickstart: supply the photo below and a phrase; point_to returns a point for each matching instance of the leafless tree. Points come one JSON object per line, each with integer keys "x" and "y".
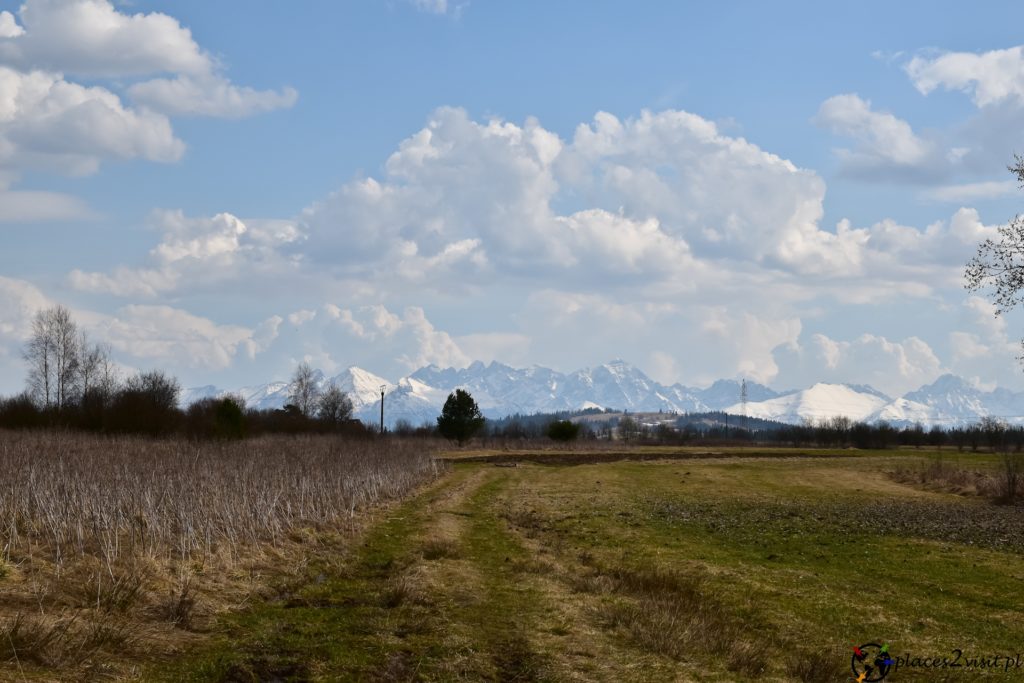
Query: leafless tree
{"x": 53, "y": 357}
{"x": 334, "y": 405}
{"x": 304, "y": 393}
{"x": 97, "y": 374}
{"x": 998, "y": 264}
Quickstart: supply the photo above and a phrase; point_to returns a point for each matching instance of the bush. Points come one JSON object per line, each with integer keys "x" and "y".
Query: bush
{"x": 20, "y": 412}
{"x": 222, "y": 418}
{"x": 1011, "y": 477}
{"x": 147, "y": 405}
{"x": 563, "y": 430}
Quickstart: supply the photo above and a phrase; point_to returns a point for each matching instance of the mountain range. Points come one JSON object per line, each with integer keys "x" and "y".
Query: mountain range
{"x": 501, "y": 390}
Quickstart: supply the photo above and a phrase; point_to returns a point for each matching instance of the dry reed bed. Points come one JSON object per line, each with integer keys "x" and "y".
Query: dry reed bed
{"x": 133, "y": 531}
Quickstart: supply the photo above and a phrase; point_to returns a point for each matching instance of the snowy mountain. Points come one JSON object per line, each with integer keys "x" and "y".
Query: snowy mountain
{"x": 951, "y": 401}
{"x": 725, "y": 392}
{"x": 904, "y": 413}
{"x": 820, "y": 402}
{"x": 501, "y": 390}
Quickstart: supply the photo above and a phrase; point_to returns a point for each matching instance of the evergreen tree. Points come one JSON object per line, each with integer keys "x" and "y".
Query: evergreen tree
{"x": 460, "y": 417}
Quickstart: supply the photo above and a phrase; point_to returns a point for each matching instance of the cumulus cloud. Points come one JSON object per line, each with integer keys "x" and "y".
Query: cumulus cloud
{"x": 886, "y": 143}
{"x": 648, "y": 237}
{"x": 989, "y": 77}
{"x": 47, "y": 122}
{"x": 92, "y": 39}
{"x": 660, "y": 201}
{"x": 19, "y": 301}
{"x": 163, "y": 336}
{"x": 981, "y": 346}
{"x": 651, "y": 196}
{"x": 9, "y": 27}
{"x": 733, "y": 341}
{"x": 198, "y": 252}
{"x": 893, "y": 367}
{"x": 174, "y": 337}
{"x": 389, "y": 342}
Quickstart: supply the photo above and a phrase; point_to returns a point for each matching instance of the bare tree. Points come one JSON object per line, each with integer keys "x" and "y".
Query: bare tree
{"x": 304, "y": 393}
{"x": 53, "y": 357}
{"x": 334, "y": 405}
{"x": 96, "y": 372}
{"x": 998, "y": 264}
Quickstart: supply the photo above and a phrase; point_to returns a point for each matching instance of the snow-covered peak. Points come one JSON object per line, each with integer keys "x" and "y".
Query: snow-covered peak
{"x": 362, "y": 386}
{"x": 820, "y": 402}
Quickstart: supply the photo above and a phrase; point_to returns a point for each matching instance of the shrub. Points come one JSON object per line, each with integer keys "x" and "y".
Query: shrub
{"x": 563, "y": 430}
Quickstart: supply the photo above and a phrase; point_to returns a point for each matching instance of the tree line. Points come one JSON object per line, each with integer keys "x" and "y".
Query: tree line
{"x": 73, "y": 383}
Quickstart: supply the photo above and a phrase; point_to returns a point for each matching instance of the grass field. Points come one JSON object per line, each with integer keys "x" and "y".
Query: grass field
{"x": 724, "y": 568}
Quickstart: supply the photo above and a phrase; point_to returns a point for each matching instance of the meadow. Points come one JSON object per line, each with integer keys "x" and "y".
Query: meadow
{"x": 724, "y": 566}
{"x": 647, "y": 564}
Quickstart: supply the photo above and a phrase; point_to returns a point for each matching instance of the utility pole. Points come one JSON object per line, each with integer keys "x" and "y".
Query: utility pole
{"x": 382, "y": 388}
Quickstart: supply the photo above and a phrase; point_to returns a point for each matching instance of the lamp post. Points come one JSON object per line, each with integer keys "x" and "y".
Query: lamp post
{"x": 382, "y": 388}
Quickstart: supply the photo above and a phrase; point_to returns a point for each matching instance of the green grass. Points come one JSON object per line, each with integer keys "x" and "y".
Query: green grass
{"x": 698, "y": 569}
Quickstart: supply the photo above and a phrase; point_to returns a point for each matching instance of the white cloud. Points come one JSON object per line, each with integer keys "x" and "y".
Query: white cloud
{"x": 9, "y": 27}
{"x": 982, "y": 346}
{"x": 49, "y": 123}
{"x": 91, "y": 38}
{"x": 748, "y": 340}
{"x": 176, "y": 338}
{"x": 885, "y": 141}
{"x": 372, "y": 336}
{"x": 654, "y": 196}
{"x": 19, "y": 301}
{"x": 438, "y": 6}
{"x": 511, "y": 348}
{"x": 434, "y": 6}
{"x": 199, "y": 252}
{"x": 209, "y": 96}
{"x": 23, "y": 206}
{"x": 991, "y": 77}
{"x": 968, "y": 192}
{"x": 167, "y": 337}
{"x": 894, "y": 367}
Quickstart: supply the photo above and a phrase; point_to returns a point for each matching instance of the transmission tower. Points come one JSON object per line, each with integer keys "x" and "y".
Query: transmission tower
{"x": 743, "y": 402}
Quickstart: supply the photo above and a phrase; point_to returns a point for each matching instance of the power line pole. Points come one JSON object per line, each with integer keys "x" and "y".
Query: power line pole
{"x": 382, "y": 388}
{"x": 743, "y": 402}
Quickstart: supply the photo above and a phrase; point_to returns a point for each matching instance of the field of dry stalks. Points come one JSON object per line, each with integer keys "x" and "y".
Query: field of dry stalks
{"x": 117, "y": 547}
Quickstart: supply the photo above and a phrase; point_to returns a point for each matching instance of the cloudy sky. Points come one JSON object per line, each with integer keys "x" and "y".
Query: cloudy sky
{"x": 785, "y": 192}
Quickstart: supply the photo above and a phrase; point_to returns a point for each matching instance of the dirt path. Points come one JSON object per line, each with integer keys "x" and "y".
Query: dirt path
{"x": 445, "y": 587}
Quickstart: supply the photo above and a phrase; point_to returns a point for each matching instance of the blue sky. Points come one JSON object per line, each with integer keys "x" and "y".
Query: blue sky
{"x": 780, "y": 191}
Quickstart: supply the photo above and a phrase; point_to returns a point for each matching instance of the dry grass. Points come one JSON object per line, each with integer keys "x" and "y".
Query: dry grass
{"x": 942, "y": 474}
{"x": 673, "y": 613}
{"x": 822, "y": 666}
{"x": 1003, "y": 484}
{"x": 440, "y": 549}
{"x": 110, "y": 546}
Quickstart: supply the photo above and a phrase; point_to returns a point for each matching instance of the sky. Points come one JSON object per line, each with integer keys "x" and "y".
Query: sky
{"x": 783, "y": 192}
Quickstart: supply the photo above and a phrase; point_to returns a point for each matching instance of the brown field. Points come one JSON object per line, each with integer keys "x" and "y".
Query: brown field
{"x": 114, "y": 548}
